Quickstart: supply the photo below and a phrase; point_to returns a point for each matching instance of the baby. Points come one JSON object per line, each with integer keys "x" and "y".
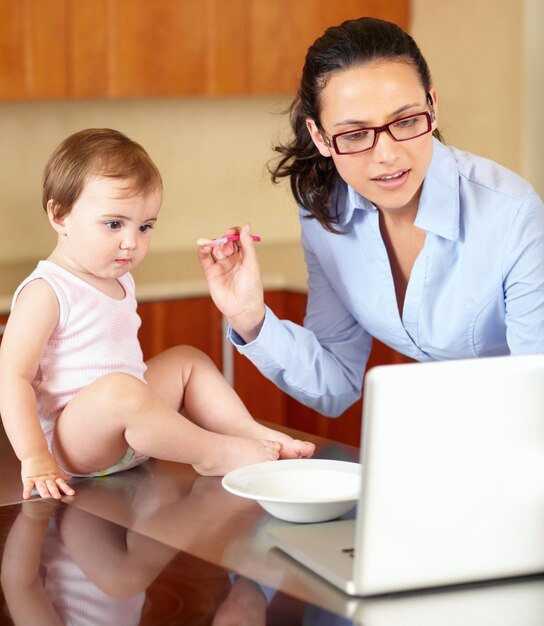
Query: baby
{"x": 76, "y": 397}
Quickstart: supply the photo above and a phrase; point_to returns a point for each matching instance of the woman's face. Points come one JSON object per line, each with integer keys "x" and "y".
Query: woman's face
{"x": 391, "y": 174}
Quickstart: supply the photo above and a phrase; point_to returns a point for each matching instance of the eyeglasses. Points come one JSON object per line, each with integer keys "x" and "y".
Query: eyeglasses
{"x": 363, "y": 139}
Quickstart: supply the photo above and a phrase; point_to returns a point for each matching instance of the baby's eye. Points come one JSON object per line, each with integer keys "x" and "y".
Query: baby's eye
{"x": 114, "y": 225}
{"x": 145, "y": 227}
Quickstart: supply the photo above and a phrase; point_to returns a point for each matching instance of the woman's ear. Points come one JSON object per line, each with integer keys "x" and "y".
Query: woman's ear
{"x": 433, "y": 104}
{"x": 317, "y": 138}
{"x": 56, "y": 221}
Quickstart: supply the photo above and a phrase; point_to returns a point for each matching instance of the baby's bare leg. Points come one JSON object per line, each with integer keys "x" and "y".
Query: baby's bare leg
{"x": 188, "y": 380}
{"x": 118, "y": 410}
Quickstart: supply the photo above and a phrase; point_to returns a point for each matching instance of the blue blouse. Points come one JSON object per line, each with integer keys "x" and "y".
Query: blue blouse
{"x": 476, "y": 288}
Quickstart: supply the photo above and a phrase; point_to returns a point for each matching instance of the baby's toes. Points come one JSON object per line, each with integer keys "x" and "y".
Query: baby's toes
{"x": 306, "y": 448}
{"x": 273, "y": 449}
{"x": 288, "y": 451}
{"x": 296, "y": 449}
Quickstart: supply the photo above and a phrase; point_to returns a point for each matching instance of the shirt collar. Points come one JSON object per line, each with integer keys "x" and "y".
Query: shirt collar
{"x": 439, "y": 203}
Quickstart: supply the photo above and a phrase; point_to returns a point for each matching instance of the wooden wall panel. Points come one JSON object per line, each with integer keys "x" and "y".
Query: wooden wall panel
{"x": 32, "y": 49}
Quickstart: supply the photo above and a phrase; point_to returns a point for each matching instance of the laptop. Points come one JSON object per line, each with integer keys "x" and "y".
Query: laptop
{"x": 453, "y": 480}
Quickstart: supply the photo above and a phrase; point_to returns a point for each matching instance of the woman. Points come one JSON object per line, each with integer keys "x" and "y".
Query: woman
{"x": 435, "y": 252}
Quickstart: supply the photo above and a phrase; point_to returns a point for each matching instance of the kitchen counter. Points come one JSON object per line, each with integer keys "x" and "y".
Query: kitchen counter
{"x": 177, "y": 274}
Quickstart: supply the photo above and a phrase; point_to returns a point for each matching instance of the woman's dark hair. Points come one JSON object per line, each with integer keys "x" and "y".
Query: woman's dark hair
{"x": 353, "y": 43}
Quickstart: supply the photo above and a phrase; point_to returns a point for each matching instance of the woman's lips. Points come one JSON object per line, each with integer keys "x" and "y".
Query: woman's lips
{"x": 392, "y": 181}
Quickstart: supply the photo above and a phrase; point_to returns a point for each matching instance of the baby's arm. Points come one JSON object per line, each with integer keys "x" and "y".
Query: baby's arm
{"x": 29, "y": 327}
{"x": 27, "y": 601}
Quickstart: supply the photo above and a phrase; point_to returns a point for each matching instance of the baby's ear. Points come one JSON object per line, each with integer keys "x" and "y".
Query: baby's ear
{"x": 56, "y": 219}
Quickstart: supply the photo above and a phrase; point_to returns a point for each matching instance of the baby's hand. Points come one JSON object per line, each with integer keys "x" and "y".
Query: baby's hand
{"x": 43, "y": 474}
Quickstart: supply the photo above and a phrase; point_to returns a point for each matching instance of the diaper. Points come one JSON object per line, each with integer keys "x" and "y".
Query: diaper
{"x": 130, "y": 459}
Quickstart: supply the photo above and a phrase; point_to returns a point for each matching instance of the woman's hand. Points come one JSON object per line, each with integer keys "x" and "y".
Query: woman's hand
{"x": 42, "y": 473}
{"x": 234, "y": 280}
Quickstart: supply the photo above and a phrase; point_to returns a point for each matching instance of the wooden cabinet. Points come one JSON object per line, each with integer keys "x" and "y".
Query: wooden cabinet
{"x": 3, "y": 320}
{"x": 196, "y": 321}
{"x": 33, "y": 53}
{"x": 134, "y": 48}
{"x": 127, "y": 48}
{"x": 279, "y": 33}
{"x": 191, "y": 321}
{"x": 266, "y": 401}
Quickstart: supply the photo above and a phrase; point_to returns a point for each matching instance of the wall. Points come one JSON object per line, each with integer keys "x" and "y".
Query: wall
{"x": 474, "y": 52}
{"x": 213, "y": 152}
{"x": 532, "y": 138}
{"x": 486, "y": 58}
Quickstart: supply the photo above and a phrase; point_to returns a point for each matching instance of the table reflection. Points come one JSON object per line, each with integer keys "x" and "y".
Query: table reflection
{"x": 62, "y": 565}
{"x": 65, "y": 563}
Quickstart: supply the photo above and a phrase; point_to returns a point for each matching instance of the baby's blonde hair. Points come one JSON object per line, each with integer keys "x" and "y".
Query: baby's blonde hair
{"x": 96, "y": 152}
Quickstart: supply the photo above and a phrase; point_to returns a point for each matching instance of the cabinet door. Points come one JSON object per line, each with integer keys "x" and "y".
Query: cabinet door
{"x": 347, "y": 427}
{"x": 32, "y": 49}
{"x": 265, "y": 401}
{"x": 3, "y": 320}
{"x": 183, "y": 47}
{"x": 136, "y": 48}
{"x": 262, "y": 398}
{"x": 280, "y": 32}
{"x": 124, "y": 48}
{"x": 191, "y": 321}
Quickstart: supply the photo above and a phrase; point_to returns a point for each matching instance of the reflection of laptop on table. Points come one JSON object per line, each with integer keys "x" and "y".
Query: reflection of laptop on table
{"x": 453, "y": 480}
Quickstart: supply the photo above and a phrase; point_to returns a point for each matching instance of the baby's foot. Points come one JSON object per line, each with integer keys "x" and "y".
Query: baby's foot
{"x": 296, "y": 449}
{"x": 290, "y": 448}
{"x": 234, "y": 452}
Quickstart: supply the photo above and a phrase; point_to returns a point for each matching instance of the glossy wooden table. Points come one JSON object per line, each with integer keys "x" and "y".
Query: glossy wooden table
{"x": 161, "y": 545}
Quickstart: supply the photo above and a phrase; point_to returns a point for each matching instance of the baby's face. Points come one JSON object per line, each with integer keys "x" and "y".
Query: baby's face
{"x": 107, "y": 232}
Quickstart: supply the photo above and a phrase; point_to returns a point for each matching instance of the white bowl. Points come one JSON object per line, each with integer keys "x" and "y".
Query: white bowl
{"x": 299, "y": 490}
